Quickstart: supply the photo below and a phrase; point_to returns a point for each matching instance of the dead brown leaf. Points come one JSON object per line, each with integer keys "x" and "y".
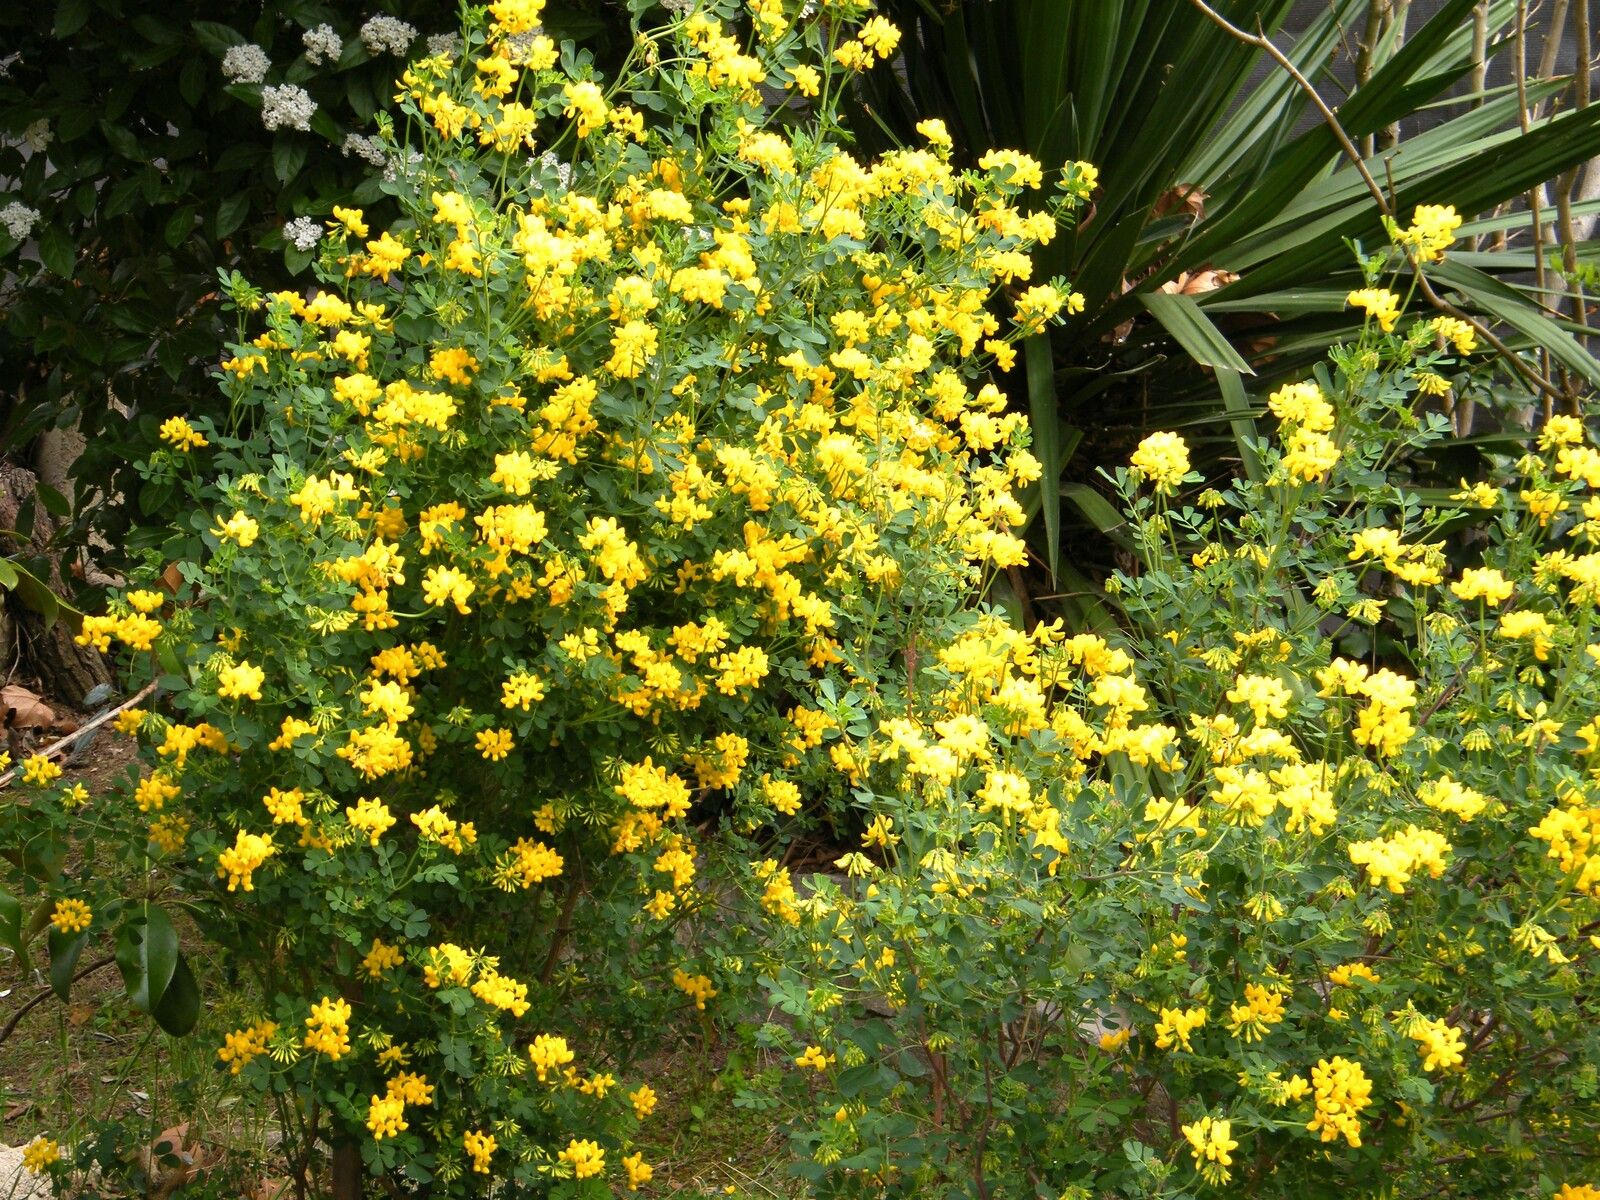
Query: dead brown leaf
{"x": 1207, "y": 279}
{"x": 1185, "y": 196}
{"x": 24, "y": 709}
{"x": 171, "y": 1160}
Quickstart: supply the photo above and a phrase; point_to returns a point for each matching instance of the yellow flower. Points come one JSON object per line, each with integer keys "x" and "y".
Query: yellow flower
{"x": 41, "y": 1155}
{"x": 371, "y": 817}
{"x": 1441, "y": 1044}
{"x": 386, "y": 1116}
{"x": 1302, "y": 404}
{"x": 352, "y": 219}
{"x": 1480, "y": 494}
{"x": 1392, "y": 861}
{"x": 238, "y": 528}
{"x": 880, "y": 36}
{"x": 548, "y": 1055}
{"x": 1483, "y": 583}
{"x": 814, "y": 1058}
{"x": 637, "y": 1169}
{"x": 1457, "y": 332}
{"x": 1432, "y": 229}
{"x": 39, "y": 770}
{"x": 643, "y": 1099}
{"x": 241, "y": 681}
{"x": 239, "y": 862}
{"x": 181, "y": 434}
{"x": 1381, "y": 305}
{"x": 1162, "y": 458}
{"x": 1341, "y": 1090}
{"x": 1037, "y": 306}
{"x": 1212, "y": 1144}
{"x": 586, "y": 1157}
{"x": 1176, "y": 1025}
{"x": 380, "y": 959}
{"x": 1254, "y": 1019}
{"x": 494, "y": 744}
{"x": 446, "y": 584}
{"x": 71, "y": 916}
{"x": 328, "y": 1028}
{"x": 242, "y": 1045}
{"x": 480, "y": 1147}
{"x": 805, "y": 79}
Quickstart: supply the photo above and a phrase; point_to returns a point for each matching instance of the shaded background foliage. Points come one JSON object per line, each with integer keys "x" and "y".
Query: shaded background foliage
{"x": 158, "y": 172}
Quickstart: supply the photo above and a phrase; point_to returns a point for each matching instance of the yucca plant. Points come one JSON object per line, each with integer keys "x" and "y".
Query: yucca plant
{"x": 1220, "y": 242}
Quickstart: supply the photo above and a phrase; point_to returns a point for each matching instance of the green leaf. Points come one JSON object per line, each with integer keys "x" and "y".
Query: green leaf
{"x": 179, "y": 226}
{"x": 178, "y": 1010}
{"x": 1045, "y": 418}
{"x": 8, "y": 576}
{"x": 58, "y": 252}
{"x": 64, "y": 951}
{"x": 288, "y": 156}
{"x": 1183, "y": 319}
{"x": 71, "y": 16}
{"x": 1505, "y": 304}
{"x": 216, "y": 38}
{"x": 1096, "y": 509}
{"x": 54, "y": 502}
{"x": 33, "y": 593}
{"x": 1242, "y": 421}
{"x": 147, "y": 954}
{"x": 11, "y": 923}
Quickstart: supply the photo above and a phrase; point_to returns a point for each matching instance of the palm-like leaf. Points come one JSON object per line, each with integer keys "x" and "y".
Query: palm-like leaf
{"x": 1171, "y": 106}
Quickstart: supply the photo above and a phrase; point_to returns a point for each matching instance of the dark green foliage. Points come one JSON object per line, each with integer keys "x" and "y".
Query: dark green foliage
{"x": 1213, "y": 158}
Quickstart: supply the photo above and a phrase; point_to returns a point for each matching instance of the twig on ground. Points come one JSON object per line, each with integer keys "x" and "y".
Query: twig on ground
{"x": 61, "y": 743}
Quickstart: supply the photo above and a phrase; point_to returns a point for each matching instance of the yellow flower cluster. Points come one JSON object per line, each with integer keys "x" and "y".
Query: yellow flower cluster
{"x": 328, "y": 1028}
{"x": 1212, "y": 1143}
{"x": 1341, "y": 1092}
{"x": 242, "y": 1045}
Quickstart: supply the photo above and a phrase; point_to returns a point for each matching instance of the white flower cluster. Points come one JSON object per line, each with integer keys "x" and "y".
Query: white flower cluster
{"x": 246, "y": 64}
{"x": 37, "y": 136}
{"x": 405, "y": 163}
{"x": 288, "y": 107}
{"x": 563, "y": 170}
{"x": 323, "y": 44}
{"x": 365, "y": 148}
{"x": 444, "y": 44}
{"x": 303, "y": 232}
{"x": 19, "y": 219}
{"x": 387, "y": 35}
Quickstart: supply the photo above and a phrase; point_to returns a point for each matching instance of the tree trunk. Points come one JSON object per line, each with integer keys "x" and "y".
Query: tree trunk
{"x": 34, "y": 647}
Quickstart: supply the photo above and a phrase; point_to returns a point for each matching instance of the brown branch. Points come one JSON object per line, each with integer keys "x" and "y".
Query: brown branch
{"x": 563, "y": 930}
{"x": 16, "y": 1017}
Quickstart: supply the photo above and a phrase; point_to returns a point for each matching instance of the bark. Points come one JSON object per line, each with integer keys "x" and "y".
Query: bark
{"x": 31, "y": 647}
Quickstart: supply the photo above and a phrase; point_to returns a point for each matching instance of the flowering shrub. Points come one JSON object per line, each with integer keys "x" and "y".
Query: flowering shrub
{"x": 1292, "y": 891}
{"x": 592, "y": 503}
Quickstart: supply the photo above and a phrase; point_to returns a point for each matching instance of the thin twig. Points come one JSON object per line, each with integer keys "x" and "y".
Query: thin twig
{"x": 16, "y": 1017}
{"x": 59, "y": 743}
{"x": 1265, "y": 44}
